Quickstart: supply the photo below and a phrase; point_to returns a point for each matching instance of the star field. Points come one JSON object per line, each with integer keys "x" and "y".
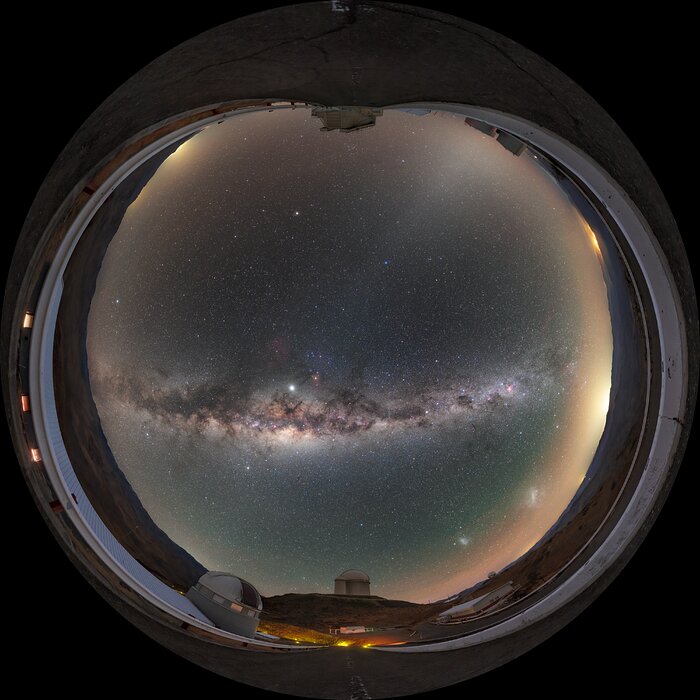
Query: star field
{"x": 382, "y": 350}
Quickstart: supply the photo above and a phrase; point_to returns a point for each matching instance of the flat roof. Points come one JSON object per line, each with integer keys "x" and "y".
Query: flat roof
{"x": 468, "y": 604}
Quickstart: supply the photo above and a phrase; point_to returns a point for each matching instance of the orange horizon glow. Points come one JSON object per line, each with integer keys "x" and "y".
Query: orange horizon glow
{"x": 570, "y": 453}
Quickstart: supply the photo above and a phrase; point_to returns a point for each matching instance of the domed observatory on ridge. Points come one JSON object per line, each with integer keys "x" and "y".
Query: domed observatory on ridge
{"x": 228, "y": 601}
{"x": 352, "y": 582}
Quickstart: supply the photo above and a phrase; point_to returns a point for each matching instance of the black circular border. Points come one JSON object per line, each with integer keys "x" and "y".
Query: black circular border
{"x": 528, "y": 87}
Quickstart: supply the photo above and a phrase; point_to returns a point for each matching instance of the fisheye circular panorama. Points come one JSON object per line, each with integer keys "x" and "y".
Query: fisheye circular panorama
{"x": 330, "y": 382}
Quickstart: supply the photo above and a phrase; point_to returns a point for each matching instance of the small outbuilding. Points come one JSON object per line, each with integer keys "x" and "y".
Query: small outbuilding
{"x": 229, "y": 602}
{"x": 475, "y": 606}
{"x": 352, "y": 582}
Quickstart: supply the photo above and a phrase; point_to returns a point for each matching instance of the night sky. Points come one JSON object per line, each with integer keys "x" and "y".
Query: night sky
{"x": 387, "y": 350}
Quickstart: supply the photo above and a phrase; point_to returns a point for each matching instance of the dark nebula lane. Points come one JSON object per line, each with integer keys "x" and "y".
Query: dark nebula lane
{"x": 318, "y": 411}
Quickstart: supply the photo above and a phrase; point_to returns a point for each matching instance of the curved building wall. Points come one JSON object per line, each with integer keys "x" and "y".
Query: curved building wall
{"x": 357, "y": 588}
{"x": 351, "y": 587}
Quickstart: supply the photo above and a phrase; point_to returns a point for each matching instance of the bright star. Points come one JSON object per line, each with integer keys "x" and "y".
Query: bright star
{"x": 292, "y": 387}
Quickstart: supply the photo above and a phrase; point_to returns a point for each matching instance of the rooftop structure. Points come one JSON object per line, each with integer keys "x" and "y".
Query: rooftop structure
{"x": 507, "y": 140}
{"x": 346, "y": 118}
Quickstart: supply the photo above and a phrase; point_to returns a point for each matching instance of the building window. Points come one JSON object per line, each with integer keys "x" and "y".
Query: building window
{"x": 236, "y": 607}
{"x": 218, "y": 599}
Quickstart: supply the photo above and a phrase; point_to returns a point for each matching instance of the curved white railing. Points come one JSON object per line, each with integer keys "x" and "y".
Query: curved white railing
{"x": 668, "y": 320}
{"x": 45, "y": 418}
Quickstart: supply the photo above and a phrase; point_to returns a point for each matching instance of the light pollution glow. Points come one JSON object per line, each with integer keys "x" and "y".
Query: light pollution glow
{"x": 571, "y": 453}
